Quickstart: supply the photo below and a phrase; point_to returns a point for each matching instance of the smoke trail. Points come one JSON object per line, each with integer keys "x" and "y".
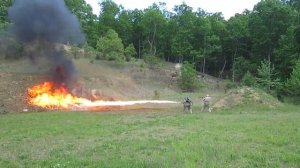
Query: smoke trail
{"x": 42, "y": 25}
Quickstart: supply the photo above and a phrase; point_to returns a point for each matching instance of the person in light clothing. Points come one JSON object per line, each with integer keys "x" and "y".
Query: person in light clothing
{"x": 206, "y": 103}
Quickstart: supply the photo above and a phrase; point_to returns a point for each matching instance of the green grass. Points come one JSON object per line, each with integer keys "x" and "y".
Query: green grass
{"x": 151, "y": 138}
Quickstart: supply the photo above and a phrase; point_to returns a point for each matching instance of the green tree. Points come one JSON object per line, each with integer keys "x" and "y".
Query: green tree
{"x": 130, "y": 52}
{"x": 182, "y": 35}
{"x": 152, "y": 23}
{"x": 188, "y": 80}
{"x": 295, "y": 4}
{"x": 137, "y": 29}
{"x": 266, "y": 76}
{"x": 108, "y": 17}
{"x": 4, "y": 20}
{"x": 293, "y": 83}
{"x": 111, "y": 46}
{"x": 210, "y": 31}
{"x": 238, "y": 38}
{"x": 125, "y": 26}
{"x": 4, "y": 5}
{"x": 269, "y": 20}
{"x": 287, "y": 53}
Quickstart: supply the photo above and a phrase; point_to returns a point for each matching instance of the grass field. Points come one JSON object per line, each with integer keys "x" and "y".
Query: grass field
{"x": 245, "y": 137}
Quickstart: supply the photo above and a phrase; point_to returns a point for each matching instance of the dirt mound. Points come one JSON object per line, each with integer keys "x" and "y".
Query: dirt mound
{"x": 246, "y": 96}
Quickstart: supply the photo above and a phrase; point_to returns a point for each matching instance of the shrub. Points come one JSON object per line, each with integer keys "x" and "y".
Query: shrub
{"x": 188, "y": 80}
{"x": 248, "y": 80}
{"x": 90, "y": 52}
{"x": 153, "y": 61}
{"x": 129, "y": 52}
{"x": 229, "y": 85}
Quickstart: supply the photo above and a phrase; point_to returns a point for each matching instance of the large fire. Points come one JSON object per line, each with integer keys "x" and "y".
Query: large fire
{"x": 49, "y": 96}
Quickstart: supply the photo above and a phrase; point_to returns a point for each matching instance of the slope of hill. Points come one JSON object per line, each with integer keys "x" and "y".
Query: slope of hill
{"x": 107, "y": 80}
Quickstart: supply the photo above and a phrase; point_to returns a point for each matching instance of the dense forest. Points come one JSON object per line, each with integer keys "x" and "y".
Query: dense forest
{"x": 255, "y": 48}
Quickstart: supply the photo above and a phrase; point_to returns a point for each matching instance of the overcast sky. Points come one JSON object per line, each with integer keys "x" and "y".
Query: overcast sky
{"x": 227, "y": 7}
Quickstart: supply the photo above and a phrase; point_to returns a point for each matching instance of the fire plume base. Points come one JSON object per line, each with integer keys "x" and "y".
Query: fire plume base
{"x": 49, "y": 96}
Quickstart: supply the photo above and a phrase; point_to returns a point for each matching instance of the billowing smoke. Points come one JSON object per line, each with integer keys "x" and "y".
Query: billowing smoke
{"x": 43, "y": 26}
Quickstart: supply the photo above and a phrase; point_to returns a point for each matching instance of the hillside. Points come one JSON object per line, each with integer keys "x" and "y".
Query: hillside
{"x": 106, "y": 80}
{"x": 103, "y": 79}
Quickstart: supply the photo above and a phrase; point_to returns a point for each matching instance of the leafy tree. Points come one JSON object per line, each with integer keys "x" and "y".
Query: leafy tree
{"x": 295, "y": 4}
{"x": 152, "y": 23}
{"x": 4, "y": 6}
{"x": 269, "y": 20}
{"x": 266, "y": 76}
{"x": 209, "y": 32}
{"x": 293, "y": 83}
{"x": 184, "y": 24}
{"x": 137, "y": 30}
{"x": 108, "y": 16}
{"x": 206, "y": 40}
{"x": 188, "y": 79}
{"x": 217, "y": 60}
{"x": 111, "y": 46}
{"x": 287, "y": 53}
{"x": 125, "y": 27}
{"x": 238, "y": 39}
{"x": 130, "y": 52}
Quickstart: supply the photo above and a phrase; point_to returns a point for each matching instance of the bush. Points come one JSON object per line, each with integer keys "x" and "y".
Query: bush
{"x": 153, "y": 61}
{"x": 130, "y": 52}
{"x": 188, "y": 80}
{"x": 90, "y": 52}
{"x": 249, "y": 80}
{"x": 229, "y": 85}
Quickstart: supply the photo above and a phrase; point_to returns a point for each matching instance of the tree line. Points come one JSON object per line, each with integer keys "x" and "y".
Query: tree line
{"x": 258, "y": 47}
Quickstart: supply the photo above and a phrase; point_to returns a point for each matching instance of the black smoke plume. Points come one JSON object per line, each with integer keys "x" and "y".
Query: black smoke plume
{"x": 43, "y": 26}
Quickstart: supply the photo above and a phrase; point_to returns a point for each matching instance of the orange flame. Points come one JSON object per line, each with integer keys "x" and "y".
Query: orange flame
{"x": 47, "y": 96}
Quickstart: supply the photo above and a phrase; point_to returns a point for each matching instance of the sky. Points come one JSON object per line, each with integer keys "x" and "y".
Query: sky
{"x": 227, "y": 7}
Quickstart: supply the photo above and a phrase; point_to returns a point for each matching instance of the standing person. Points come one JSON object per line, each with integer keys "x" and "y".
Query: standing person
{"x": 206, "y": 102}
{"x": 187, "y": 104}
